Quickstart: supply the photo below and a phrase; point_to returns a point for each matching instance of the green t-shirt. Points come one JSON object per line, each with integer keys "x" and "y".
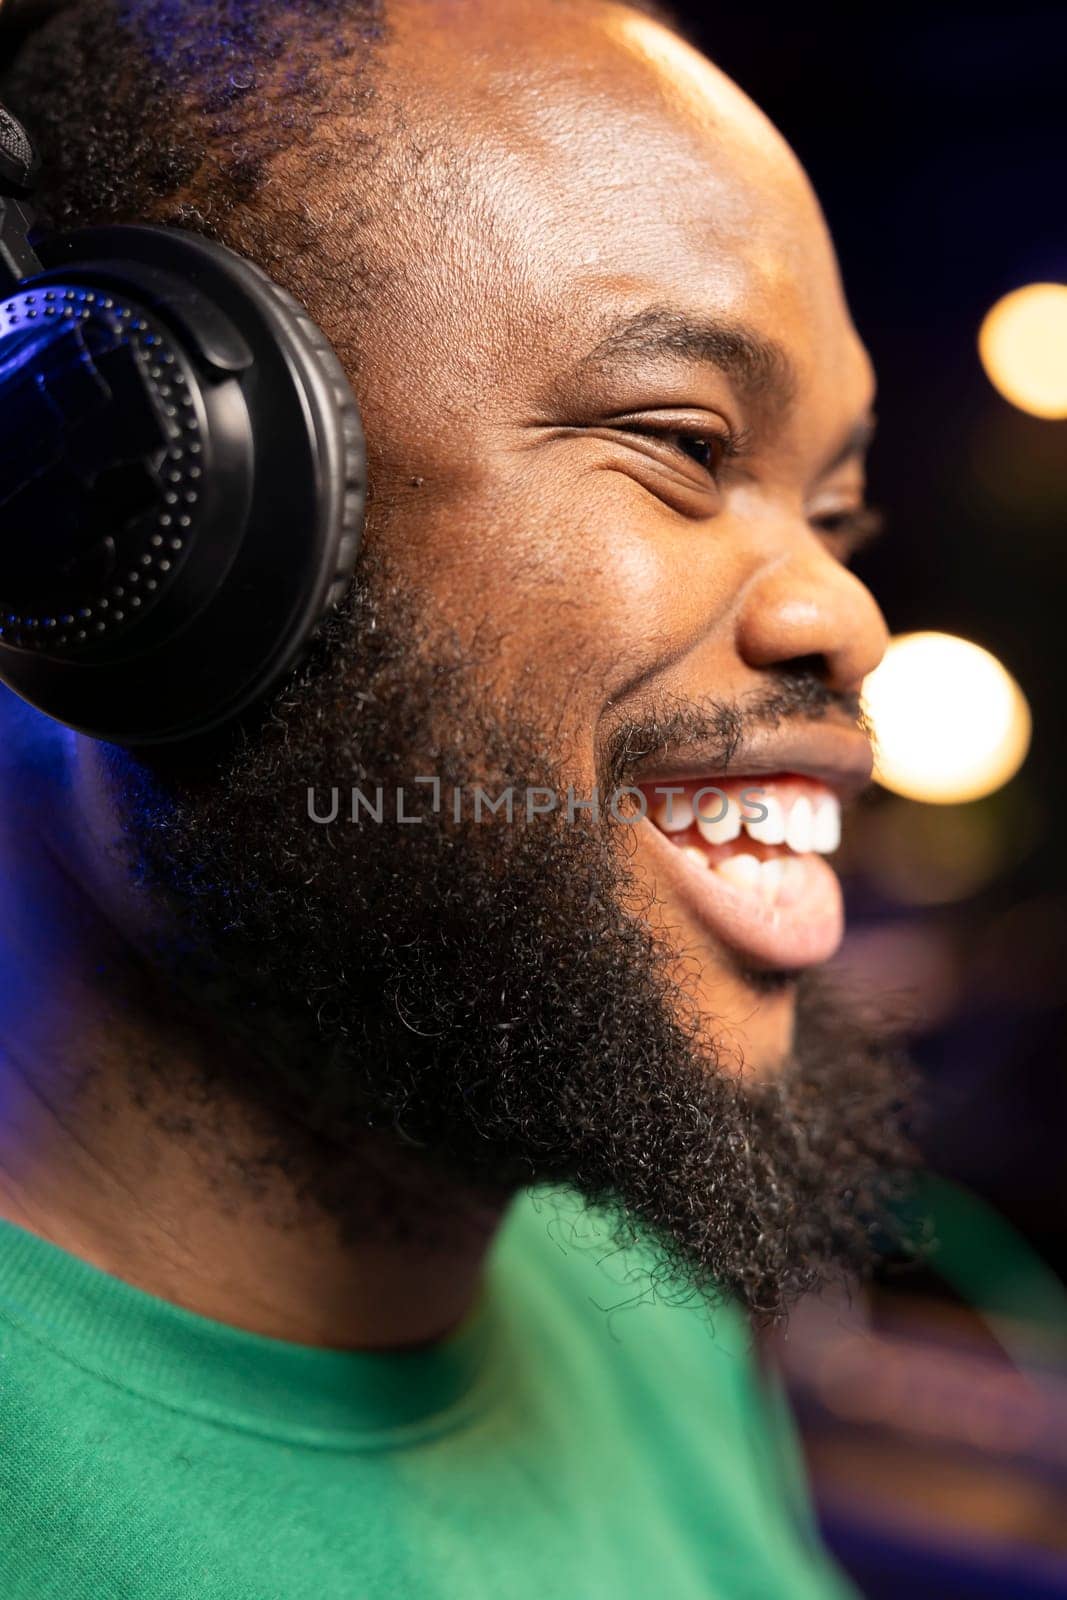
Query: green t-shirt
{"x": 577, "y": 1439}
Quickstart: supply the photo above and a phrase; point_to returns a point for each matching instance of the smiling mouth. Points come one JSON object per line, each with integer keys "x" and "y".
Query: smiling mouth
{"x": 744, "y": 857}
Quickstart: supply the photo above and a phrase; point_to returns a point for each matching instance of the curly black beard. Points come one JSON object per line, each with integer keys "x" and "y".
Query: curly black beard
{"x": 437, "y": 1009}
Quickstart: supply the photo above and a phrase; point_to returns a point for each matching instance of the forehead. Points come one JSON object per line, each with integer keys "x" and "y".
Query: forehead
{"x": 580, "y": 162}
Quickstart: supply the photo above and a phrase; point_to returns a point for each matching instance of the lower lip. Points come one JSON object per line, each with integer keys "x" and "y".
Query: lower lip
{"x": 803, "y": 926}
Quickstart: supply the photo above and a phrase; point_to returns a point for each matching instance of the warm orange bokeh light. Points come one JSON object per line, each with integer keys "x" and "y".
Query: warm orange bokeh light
{"x": 1023, "y": 346}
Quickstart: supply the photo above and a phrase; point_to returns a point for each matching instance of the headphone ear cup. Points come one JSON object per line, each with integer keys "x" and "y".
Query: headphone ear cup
{"x": 320, "y": 350}
{"x": 182, "y": 483}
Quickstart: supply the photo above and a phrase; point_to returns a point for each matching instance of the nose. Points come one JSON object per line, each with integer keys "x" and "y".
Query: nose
{"x": 805, "y": 605}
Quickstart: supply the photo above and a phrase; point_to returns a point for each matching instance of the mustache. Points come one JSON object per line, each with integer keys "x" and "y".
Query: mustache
{"x": 720, "y": 727}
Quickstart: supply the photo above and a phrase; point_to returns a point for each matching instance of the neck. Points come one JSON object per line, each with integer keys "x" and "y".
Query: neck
{"x": 112, "y": 1148}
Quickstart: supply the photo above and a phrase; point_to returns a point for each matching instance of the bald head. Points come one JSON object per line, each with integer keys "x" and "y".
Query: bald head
{"x": 287, "y": 130}
{"x": 581, "y": 151}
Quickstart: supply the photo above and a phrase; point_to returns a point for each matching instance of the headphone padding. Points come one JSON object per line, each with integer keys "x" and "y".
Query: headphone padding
{"x": 318, "y": 347}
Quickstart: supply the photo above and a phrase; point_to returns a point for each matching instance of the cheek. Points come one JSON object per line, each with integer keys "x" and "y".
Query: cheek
{"x": 629, "y": 591}
{"x": 566, "y": 587}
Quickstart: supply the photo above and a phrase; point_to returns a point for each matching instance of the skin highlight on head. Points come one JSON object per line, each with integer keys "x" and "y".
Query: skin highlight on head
{"x": 616, "y": 410}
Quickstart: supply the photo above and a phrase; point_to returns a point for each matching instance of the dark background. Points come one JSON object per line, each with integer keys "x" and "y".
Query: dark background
{"x": 935, "y": 1410}
{"x": 937, "y": 143}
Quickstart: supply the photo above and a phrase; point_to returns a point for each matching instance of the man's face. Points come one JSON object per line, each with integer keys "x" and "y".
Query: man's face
{"x": 613, "y": 400}
{"x": 617, "y": 411}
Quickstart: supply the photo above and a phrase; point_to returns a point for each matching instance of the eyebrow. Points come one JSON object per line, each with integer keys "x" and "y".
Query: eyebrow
{"x": 758, "y": 367}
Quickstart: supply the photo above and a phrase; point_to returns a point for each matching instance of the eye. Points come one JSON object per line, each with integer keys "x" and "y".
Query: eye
{"x": 850, "y": 531}
{"x": 678, "y": 455}
{"x": 707, "y": 448}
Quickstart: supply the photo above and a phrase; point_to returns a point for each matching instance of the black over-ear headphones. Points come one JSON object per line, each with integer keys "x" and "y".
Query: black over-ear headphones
{"x": 182, "y": 473}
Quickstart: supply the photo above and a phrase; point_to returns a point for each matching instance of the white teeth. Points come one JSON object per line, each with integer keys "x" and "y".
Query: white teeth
{"x": 771, "y": 875}
{"x": 800, "y": 826}
{"x": 804, "y": 826}
{"x": 771, "y": 829}
{"x": 742, "y": 871}
{"x": 826, "y": 835}
{"x": 725, "y": 828}
{"x": 674, "y": 813}
{"x": 697, "y": 857}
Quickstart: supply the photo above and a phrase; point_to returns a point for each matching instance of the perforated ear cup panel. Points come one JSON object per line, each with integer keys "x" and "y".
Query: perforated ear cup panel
{"x": 281, "y": 502}
{"x": 18, "y": 159}
{"x": 83, "y": 355}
